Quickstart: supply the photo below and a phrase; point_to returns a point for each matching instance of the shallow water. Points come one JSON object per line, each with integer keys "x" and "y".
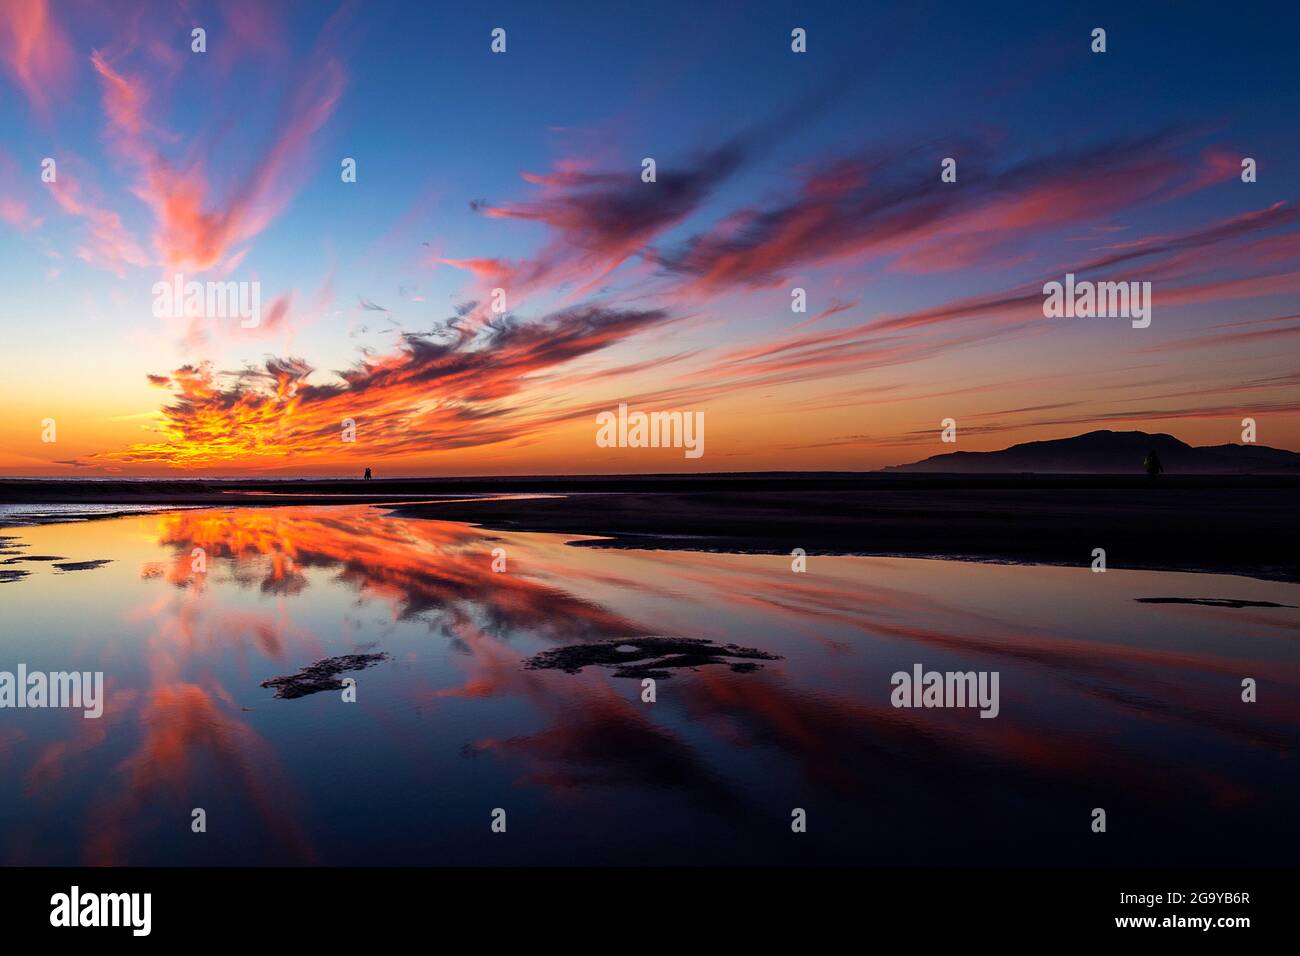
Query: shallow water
{"x": 1105, "y": 701}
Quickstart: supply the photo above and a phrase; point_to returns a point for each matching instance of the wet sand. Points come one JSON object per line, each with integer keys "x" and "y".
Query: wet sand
{"x": 1232, "y": 524}
{"x": 1166, "y": 528}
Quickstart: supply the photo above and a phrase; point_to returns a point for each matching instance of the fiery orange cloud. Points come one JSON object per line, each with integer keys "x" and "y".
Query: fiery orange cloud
{"x": 441, "y": 390}
{"x": 448, "y": 390}
{"x": 479, "y": 380}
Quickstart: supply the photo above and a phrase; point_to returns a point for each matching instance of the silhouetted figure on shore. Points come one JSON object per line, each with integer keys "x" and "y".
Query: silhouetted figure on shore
{"x": 367, "y": 474}
{"x": 1151, "y": 463}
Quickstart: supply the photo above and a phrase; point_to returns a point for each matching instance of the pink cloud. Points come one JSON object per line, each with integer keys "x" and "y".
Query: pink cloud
{"x": 34, "y": 51}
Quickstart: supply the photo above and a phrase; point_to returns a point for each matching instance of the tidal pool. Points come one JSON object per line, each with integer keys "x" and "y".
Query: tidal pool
{"x": 522, "y": 690}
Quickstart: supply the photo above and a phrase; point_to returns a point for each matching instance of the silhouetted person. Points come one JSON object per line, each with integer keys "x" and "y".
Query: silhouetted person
{"x": 1151, "y": 463}
{"x": 367, "y": 474}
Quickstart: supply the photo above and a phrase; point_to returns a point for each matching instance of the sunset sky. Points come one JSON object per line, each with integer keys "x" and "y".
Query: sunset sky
{"x": 522, "y": 171}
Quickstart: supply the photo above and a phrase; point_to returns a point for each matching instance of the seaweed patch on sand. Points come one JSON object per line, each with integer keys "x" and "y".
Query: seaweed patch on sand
{"x": 657, "y": 657}
{"x": 323, "y": 675}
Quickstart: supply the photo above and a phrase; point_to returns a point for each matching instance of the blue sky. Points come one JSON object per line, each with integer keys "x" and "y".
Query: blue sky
{"x": 442, "y": 130}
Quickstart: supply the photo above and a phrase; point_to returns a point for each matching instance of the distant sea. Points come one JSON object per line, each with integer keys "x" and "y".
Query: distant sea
{"x": 29, "y": 514}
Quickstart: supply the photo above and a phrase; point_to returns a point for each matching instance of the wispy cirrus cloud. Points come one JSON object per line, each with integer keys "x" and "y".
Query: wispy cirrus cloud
{"x": 35, "y": 51}
{"x": 108, "y": 243}
{"x": 463, "y": 386}
{"x": 198, "y": 225}
{"x": 891, "y": 204}
{"x": 705, "y": 242}
{"x": 195, "y": 228}
{"x": 598, "y": 219}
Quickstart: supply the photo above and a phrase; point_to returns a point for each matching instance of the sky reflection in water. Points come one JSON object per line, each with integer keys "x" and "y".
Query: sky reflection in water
{"x": 1105, "y": 701}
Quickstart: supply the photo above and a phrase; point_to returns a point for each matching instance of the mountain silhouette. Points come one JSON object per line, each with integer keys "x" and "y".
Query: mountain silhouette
{"x": 1112, "y": 453}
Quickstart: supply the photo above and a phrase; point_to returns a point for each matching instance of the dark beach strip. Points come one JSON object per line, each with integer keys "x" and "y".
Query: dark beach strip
{"x": 1191, "y": 526}
{"x": 1234, "y": 524}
